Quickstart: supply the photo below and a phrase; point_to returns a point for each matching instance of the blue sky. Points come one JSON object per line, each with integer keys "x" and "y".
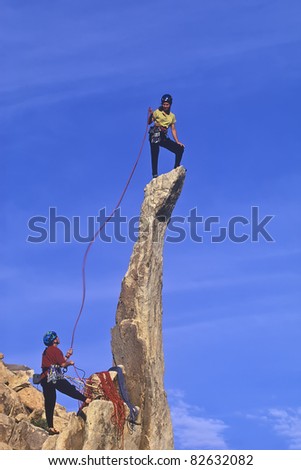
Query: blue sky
{"x": 77, "y": 79}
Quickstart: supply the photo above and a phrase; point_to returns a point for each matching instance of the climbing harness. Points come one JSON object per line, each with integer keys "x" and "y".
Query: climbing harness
{"x": 157, "y": 133}
{"x": 101, "y": 228}
{"x": 55, "y": 373}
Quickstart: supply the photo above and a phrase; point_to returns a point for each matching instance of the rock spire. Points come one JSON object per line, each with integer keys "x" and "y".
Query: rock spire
{"x": 137, "y": 336}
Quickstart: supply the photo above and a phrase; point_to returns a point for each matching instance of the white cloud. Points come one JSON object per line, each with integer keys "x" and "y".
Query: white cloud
{"x": 191, "y": 430}
{"x": 285, "y": 422}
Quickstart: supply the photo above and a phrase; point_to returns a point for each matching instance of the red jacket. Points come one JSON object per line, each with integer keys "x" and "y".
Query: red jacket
{"x": 52, "y": 356}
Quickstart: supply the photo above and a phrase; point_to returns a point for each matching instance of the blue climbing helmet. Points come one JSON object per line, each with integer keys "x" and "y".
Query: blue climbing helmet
{"x": 49, "y": 337}
{"x": 166, "y": 98}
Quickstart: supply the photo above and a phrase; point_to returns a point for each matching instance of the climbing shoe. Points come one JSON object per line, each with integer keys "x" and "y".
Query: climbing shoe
{"x": 52, "y": 432}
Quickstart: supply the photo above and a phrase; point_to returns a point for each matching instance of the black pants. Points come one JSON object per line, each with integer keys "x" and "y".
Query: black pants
{"x": 169, "y": 144}
{"x": 49, "y": 392}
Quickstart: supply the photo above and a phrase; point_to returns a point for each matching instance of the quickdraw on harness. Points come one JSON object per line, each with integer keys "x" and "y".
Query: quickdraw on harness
{"x": 55, "y": 373}
{"x": 157, "y": 133}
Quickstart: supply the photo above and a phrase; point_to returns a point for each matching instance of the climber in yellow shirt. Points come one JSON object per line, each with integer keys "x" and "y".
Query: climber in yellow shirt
{"x": 163, "y": 119}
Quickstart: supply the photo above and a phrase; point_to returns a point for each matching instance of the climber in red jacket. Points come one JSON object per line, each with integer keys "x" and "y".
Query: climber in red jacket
{"x": 163, "y": 118}
{"x": 53, "y": 364}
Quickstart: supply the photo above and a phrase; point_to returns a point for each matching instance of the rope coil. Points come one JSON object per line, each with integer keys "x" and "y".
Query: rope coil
{"x": 101, "y": 386}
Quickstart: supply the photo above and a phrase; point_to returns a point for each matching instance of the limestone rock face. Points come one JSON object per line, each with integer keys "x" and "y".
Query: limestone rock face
{"x": 137, "y": 336}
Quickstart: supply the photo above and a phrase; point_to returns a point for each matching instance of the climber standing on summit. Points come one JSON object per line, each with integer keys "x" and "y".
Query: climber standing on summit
{"x": 163, "y": 118}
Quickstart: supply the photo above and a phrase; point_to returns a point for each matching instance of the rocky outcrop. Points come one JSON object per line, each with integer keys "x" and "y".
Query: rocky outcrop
{"x": 23, "y": 423}
{"x": 95, "y": 430}
{"x": 136, "y": 343}
{"x": 20, "y": 404}
{"x": 137, "y": 336}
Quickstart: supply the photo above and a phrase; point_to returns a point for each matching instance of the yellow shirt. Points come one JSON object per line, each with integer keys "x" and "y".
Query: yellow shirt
{"x": 163, "y": 119}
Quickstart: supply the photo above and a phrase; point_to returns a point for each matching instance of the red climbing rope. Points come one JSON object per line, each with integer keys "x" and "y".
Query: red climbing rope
{"x": 100, "y": 386}
{"x": 111, "y": 394}
{"x": 100, "y": 229}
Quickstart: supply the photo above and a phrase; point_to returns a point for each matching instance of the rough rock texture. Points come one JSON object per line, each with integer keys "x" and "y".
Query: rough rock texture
{"x": 96, "y": 431}
{"x": 22, "y": 420}
{"x": 71, "y": 437}
{"x": 136, "y": 343}
{"x": 137, "y": 336}
{"x": 18, "y": 400}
